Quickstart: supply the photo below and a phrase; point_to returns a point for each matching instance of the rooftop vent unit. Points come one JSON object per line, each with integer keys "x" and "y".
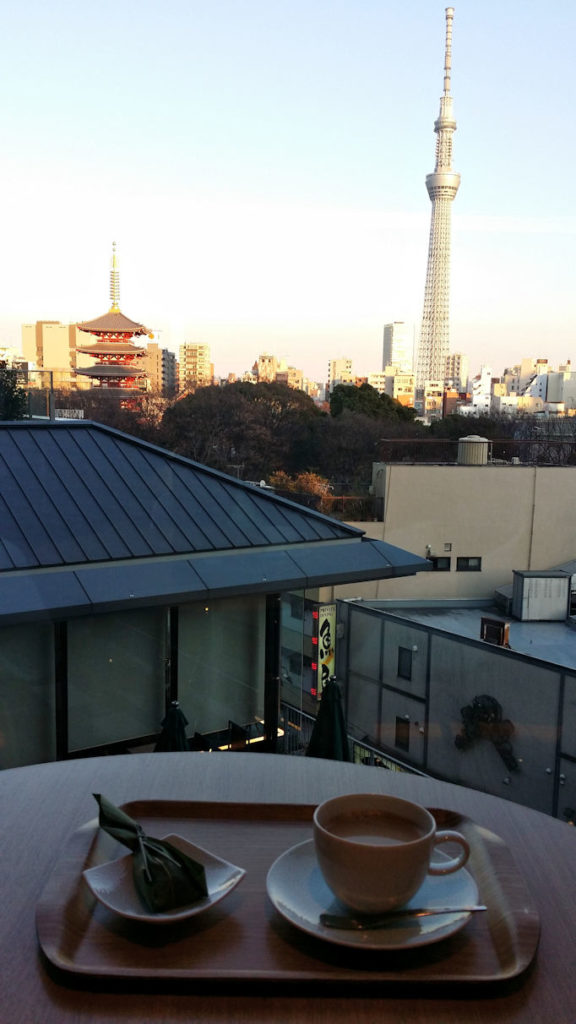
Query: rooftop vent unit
{"x": 539, "y": 596}
{"x": 495, "y": 631}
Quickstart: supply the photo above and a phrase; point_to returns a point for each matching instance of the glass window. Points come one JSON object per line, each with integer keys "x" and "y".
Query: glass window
{"x": 116, "y": 677}
{"x": 440, "y": 563}
{"x": 27, "y": 696}
{"x": 221, "y": 662}
{"x": 469, "y": 564}
{"x": 404, "y": 663}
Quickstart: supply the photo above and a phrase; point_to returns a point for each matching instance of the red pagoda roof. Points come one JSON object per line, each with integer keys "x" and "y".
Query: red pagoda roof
{"x": 113, "y": 322}
{"x": 111, "y": 348}
{"x": 118, "y": 370}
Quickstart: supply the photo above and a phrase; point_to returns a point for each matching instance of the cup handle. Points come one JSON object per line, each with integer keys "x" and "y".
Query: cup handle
{"x": 446, "y": 867}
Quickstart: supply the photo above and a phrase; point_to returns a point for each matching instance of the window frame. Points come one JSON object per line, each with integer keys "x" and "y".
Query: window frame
{"x": 464, "y": 563}
{"x": 436, "y": 559}
{"x": 402, "y": 670}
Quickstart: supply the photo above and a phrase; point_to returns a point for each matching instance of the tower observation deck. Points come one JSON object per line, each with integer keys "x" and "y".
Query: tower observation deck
{"x": 442, "y": 187}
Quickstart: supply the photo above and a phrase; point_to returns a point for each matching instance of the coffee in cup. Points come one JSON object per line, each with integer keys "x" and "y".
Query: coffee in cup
{"x": 375, "y": 851}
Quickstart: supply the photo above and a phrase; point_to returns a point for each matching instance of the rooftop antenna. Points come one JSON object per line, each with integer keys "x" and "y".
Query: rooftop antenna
{"x": 448, "y": 52}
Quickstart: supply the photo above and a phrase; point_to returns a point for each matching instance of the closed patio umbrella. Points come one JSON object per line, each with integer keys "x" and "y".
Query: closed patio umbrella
{"x": 329, "y": 737}
{"x": 173, "y": 735}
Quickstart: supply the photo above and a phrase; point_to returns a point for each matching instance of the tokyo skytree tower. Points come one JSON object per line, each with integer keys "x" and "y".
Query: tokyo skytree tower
{"x": 442, "y": 187}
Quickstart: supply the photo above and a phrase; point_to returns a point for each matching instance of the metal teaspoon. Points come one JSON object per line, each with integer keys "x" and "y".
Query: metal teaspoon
{"x": 365, "y": 923}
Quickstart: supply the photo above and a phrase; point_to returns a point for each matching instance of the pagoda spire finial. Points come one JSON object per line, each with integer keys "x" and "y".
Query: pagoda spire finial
{"x": 114, "y": 282}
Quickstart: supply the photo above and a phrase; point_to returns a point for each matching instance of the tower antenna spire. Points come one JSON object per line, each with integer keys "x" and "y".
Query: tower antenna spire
{"x": 448, "y": 50}
{"x": 114, "y": 282}
{"x": 442, "y": 187}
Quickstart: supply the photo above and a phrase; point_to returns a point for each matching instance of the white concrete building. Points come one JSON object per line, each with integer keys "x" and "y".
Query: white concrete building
{"x": 398, "y": 346}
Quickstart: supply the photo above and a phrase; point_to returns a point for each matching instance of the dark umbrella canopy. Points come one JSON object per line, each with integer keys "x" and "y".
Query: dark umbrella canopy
{"x": 173, "y": 735}
{"x": 329, "y": 737}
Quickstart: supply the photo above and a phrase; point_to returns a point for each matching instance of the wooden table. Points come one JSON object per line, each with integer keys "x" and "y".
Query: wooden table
{"x": 41, "y": 805}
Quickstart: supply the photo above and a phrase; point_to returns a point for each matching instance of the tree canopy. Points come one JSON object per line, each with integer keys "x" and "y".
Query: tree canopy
{"x": 13, "y": 399}
{"x": 248, "y": 430}
{"x": 368, "y": 401}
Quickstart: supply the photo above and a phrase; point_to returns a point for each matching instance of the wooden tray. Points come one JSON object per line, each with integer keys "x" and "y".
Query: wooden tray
{"x": 243, "y": 937}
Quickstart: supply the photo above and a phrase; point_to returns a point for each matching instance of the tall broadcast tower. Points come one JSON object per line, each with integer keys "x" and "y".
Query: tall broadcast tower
{"x": 442, "y": 187}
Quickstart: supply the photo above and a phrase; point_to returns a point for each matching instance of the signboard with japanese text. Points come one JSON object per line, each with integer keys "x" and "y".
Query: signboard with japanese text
{"x": 326, "y": 661}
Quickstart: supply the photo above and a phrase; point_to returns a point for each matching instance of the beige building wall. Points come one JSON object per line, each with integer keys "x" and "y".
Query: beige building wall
{"x": 512, "y": 517}
{"x": 52, "y": 346}
{"x": 152, "y": 363}
{"x": 195, "y": 370}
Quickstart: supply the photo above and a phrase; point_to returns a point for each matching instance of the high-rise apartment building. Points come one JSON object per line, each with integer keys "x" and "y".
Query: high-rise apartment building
{"x": 442, "y": 187}
{"x": 339, "y": 372}
{"x": 456, "y": 370}
{"x": 161, "y": 369}
{"x": 398, "y": 346}
{"x": 195, "y": 367}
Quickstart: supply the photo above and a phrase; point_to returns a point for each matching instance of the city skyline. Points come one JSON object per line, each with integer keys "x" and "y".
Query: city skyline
{"x": 262, "y": 169}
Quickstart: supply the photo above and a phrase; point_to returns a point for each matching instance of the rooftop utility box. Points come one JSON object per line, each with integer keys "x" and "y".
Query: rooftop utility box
{"x": 539, "y": 596}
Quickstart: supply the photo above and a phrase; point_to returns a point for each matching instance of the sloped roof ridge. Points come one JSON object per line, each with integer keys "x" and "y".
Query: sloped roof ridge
{"x": 260, "y": 493}
{"x": 112, "y": 321}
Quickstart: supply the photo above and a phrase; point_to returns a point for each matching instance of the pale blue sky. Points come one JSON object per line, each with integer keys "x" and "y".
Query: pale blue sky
{"x": 261, "y": 167}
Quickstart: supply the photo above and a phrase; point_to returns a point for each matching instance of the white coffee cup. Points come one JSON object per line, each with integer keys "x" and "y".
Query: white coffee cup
{"x": 375, "y": 851}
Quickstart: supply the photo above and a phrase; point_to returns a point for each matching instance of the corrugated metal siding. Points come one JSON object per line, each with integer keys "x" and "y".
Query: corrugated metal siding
{"x": 74, "y": 493}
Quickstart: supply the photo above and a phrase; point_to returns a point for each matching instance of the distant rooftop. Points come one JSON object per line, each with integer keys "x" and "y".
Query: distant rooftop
{"x": 554, "y": 642}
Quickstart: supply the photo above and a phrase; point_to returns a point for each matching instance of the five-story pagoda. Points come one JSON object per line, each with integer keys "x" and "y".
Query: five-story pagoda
{"x": 117, "y": 370}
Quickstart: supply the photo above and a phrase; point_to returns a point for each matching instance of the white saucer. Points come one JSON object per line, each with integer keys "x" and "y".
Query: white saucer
{"x": 297, "y": 889}
{"x": 113, "y": 885}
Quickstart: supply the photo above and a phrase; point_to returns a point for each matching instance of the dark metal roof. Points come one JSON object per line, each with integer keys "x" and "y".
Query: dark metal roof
{"x": 91, "y": 518}
{"x": 120, "y": 586}
{"x": 113, "y": 322}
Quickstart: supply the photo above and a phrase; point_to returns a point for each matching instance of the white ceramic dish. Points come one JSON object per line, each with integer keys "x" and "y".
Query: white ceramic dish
{"x": 297, "y": 889}
{"x": 113, "y": 885}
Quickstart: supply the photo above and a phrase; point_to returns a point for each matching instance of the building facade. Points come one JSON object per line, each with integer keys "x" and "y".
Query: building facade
{"x": 421, "y": 685}
{"x": 195, "y": 369}
{"x": 132, "y": 577}
{"x": 161, "y": 370}
{"x": 339, "y": 372}
{"x": 398, "y": 346}
{"x": 476, "y": 523}
{"x": 456, "y": 371}
{"x": 52, "y": 346}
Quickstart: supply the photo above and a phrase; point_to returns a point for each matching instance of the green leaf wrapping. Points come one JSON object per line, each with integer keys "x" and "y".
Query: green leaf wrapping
{"x": 165, "y": 878}
{"x": 163, "y": 884}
